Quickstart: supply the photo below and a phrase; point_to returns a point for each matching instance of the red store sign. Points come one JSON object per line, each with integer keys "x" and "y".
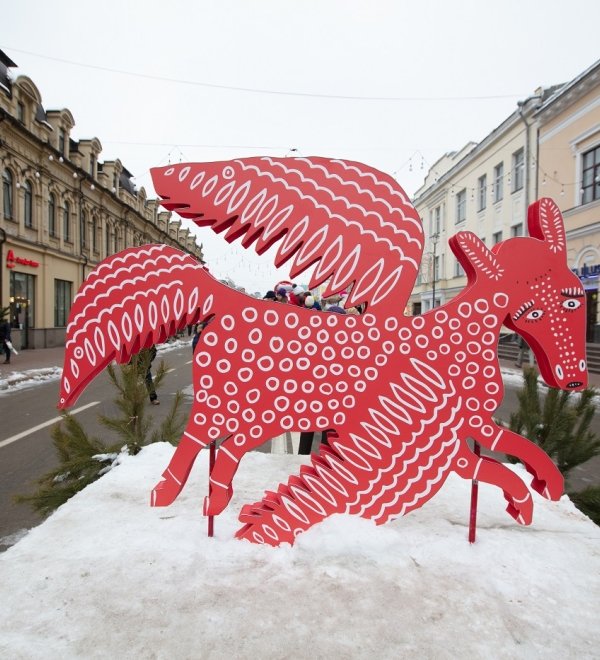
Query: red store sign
{"x": 12, "y": 261}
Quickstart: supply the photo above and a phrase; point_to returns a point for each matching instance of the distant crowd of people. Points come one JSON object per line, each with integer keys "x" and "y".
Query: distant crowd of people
{"x": 294, "y": 294}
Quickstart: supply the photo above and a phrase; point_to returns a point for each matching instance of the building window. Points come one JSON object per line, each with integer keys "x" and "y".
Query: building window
{"x": 22, "y": 291}
{"x": 496, "y": 237}
{"x": 62, "y": 302}
{"x": 27, "y": 204}
{"x": 67, "y": 222}
{"x": 516, "y": 230}
{"x": 95, "y": 234}
{"x": 498, "y": 182}
{"x": 435, "y": 221}
{"x": 7, "y": 193}
{"x": 83, "y": 228}
{"x": 458, "y": 269}
{"x": 482, "y": 192}
{"x": 107, "y": 240}
{"x": 461, "y": 206}
{"x": 92, "y": 165}
{"x": 52, "y": 214}
{"x": 518, "y": 169}
{"x": 591, "y": 176}
{"x": 62, "y": 139}
{"x": 21, "y": 112}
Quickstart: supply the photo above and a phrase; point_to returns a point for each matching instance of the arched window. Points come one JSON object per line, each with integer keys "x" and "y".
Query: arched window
{"x": 27, "y": 204}
{"x": 95, "y": 234}
{"x": 116, "y": 240}
{"x": 52, "y": 214}
{"x": 107, "y": 240}
{"x": 83, "y": 228}
{"x": 7, "y": 193}
{"x": 67, "y": 222}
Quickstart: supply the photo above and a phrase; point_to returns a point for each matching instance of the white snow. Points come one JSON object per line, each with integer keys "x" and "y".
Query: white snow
{"x": 107, "y": 576}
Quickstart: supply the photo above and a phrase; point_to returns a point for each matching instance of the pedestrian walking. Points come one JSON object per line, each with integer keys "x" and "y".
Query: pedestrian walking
{"x": 5, "y": 340}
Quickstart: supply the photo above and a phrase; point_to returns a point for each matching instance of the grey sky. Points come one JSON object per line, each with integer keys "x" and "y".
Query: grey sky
{"x": 460, "y": 66}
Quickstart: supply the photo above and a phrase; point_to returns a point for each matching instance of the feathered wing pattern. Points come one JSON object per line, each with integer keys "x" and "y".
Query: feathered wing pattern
{"x": 355, "y": 223}
{"x": 134, "y": 299}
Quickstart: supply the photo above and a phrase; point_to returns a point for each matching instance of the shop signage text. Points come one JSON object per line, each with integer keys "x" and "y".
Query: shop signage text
{"x": 12, "y": 261}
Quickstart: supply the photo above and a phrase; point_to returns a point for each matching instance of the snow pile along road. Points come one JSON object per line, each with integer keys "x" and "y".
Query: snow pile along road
{"x": 108, "y": 576}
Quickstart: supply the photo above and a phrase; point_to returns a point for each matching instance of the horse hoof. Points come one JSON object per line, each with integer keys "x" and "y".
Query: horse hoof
{"x": 216, "y": 502}
{"x": 521, "y": 511}
{"x": 164, "y": 493}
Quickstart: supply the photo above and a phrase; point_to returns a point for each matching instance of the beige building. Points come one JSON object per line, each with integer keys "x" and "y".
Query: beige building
{"x": 62, "y": 210}
{"x": 484, "y": 188}
{"x": 549, "y": 146}
{"x": 569, "y": 172}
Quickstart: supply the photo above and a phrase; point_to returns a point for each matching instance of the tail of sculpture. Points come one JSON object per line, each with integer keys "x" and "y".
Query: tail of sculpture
{"x": 132, "y": 300}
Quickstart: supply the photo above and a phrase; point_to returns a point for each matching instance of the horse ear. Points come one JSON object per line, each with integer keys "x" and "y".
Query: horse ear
{"x": 545, "y": 222}
{"x": 475, "y": 257}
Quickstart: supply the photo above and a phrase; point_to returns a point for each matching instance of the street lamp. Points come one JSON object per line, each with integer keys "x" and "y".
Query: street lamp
{"x": 434, "y": 238}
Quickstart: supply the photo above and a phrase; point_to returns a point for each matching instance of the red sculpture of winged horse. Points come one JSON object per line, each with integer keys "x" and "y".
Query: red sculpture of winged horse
{"x": 400, "y": 395}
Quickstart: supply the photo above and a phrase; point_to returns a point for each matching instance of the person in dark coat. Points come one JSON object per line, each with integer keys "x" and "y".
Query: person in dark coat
{"x": 4, "y": 337}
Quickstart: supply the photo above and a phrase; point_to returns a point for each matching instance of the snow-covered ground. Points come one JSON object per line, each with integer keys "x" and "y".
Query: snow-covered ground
{"x": 107, "y": 576}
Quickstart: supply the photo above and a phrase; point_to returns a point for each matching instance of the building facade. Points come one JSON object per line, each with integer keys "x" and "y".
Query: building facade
{"x": 569, "y": 172}
{"x": 62, "y": 210}
{"x": 548, "y": 147}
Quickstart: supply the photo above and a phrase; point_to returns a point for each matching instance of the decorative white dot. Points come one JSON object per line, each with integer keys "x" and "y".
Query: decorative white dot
{"x": 405, "y": 334}
{"x": 290, "y": 386}
{"x": 481, "y": 305}
{"x": 231, "y": 388}
{"x": 286, "y": 422}
{"x": 323, "y": 336}
{"x": 245, "y": 374}
{"x": 468, "y": 383}
{"x": 339, "y": 418}
{"x": 272, "y": 383}
{"x": 228, "y": 322}
{"x": 326, "y": 388}
{"x": 357, "y": 337}
{"x": 308, "y": 386}
{"x": 454, "y": 324}
{"x": 374, "y": 334}
{"x": 281, "y": 403}
{"x": 465, "y": 309}
{"x": 418, "y": 322}
{"x": 336, "y": 369}
{"x": 320, "y": 371}
{"x": 490, "y": 405}
{"x": 253, "y": 395}
{"x": 248, "y": 355}
{"x": 328, "y": 353}
{"x": 474, "y": 329}
{"x": 233, "y": 407}
{"x": 332, "y": 319}
{"x": 303, "y": 363}
{"x": 462, "y": 462}
{"x": 360, "y": 386}
{"x": 213, "y": 401}
{"x": 255, "y": 336}
{"x": 454, "y": 370}
{"x": 271, "y": 317}
{"x": 200, "y": 419}
{"x": 501, "y": 300}
{"x": 291, "y": 320}
{"x": 304, "y": 332}
{"x": 316, "y": 321}
{"x": 422, "y": 341}
{"x": 210, "y": 338}
{"x": 381, "y": 360}
{"x": 268, "y": 416}
{"x": 341, "y": 386}
{"x": 363, "y": 352}
{"x": 341, "y": 337}
{"x": 286, "y": 364}
{"x": 388, "y": 347}
{"x": 441, "y": 316}
{"x": 405, "y": 348}
{"x": 473, "y": 348}
{"x": 491, "y": 388}
{"x": 265, "y": 363}
{"x": 473, "y": 404}
{"x": 371, "y": 373}
{"x": 256, "y": 431}
{"x": 490, "y": 321}
{"x": 391, "y": 323}
{"x": 476, "y": 421}
{"x": 223, "y": 366}
{"x": 354, "y": 370}
{"x": 460, "y": 356}
{"x": 232, "y": 425}
{"x": 456, "y": 338}
{"x": 231, "y": 345}
{"x": 206, "y": 381}
{"x": 444, "y": 349}
{"x": 347, "y": 353}
{"x": 203, "y": 359}
{"x": 487, "y": 430}
{"x": 250, "y": 314}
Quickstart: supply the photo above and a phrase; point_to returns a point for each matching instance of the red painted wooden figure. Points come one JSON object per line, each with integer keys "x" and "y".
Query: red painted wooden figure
{"x": 400, "y": 395}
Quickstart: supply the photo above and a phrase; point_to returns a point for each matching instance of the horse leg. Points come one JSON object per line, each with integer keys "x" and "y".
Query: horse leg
{"x": 488, "y": 470}
{"x": 174, "y": 477}
{"x": 227, "y": 460}
{"x": 547, "y": 479}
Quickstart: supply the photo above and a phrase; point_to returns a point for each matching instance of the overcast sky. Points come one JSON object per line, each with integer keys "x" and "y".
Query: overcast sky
{"x": 161, "y": 82}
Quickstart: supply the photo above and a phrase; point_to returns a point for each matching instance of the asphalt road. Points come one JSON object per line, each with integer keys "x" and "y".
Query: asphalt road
{"x": 30, "y": 413}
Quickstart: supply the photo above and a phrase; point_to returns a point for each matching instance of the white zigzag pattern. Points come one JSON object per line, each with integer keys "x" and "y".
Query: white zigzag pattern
{"x": 124, "y": 282}
{"x": 428, "y": 485}
{"x": 348, "y": 223}
{"x": 354, "y": 184}
{"x": 109, "y": 310}
{"x": 399, "y": 455}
